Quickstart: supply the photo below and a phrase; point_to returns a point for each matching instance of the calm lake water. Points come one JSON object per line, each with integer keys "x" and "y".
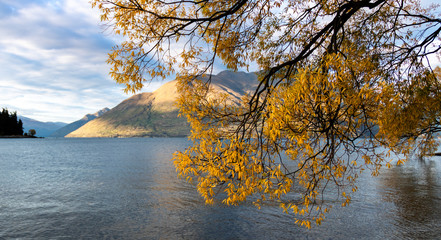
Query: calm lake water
{"x": 128, "y": 189}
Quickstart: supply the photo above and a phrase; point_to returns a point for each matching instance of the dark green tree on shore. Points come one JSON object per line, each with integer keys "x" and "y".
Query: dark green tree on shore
{"x": 9, "y": 125}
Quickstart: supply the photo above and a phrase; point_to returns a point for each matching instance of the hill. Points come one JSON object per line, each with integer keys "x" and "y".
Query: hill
{"x": 43, "y": 129}
{"x": 77, "y": 124}
{"x": 154, "y": 114}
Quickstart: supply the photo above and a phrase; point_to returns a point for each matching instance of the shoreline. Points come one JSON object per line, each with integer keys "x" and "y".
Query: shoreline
{"x": 17, "y": 136}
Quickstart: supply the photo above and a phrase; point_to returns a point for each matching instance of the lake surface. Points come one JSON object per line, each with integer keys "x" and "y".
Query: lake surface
{"x": 128, "y": 189}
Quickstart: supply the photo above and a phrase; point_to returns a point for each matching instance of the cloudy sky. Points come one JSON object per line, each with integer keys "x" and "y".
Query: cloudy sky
{"x": 52, "y": 60}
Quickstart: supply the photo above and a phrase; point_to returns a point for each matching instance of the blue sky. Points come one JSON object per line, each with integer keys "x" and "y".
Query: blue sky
{"x": 52, "y": 60}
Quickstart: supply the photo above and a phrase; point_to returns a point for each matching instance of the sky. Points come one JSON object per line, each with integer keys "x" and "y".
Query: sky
{"x": 52, "y": 60}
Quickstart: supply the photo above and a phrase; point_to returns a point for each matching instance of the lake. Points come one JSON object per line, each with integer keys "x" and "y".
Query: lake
{"x": 128, "y": 189}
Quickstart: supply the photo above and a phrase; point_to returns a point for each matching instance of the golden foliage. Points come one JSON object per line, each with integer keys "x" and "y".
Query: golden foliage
{"x": 339, "y": 82}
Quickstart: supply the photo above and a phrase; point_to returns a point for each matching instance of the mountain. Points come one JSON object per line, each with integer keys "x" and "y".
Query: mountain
{"x": 144, "y": 114}
{"x": 154, "y": 114}
{"x": 77, "y": 124}
{"x": 43, "y": 129}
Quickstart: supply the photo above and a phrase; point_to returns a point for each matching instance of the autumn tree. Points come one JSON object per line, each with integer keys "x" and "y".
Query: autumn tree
{"x": 342, "y": 84}
{"x": 32, "y": 132}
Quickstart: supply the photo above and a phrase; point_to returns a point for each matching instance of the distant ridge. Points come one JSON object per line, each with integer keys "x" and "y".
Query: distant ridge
{"x": 154, "y": 114}
{"x": 62, "y": 132}
{"x": 43, "y": 129}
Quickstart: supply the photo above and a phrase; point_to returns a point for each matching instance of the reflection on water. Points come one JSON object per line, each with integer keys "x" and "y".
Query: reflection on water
{"x": 416, "y": 192}
{"x": 128, "y": 189}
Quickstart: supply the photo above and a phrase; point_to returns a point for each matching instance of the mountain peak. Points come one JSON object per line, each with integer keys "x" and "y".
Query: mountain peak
{"x": 155, "y": 114}
{"x": 102, "y": 111}
{"x": 92, "y": 116}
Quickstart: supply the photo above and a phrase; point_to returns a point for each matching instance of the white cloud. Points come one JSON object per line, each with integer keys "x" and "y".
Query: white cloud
{"x": 52, "y": 60}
